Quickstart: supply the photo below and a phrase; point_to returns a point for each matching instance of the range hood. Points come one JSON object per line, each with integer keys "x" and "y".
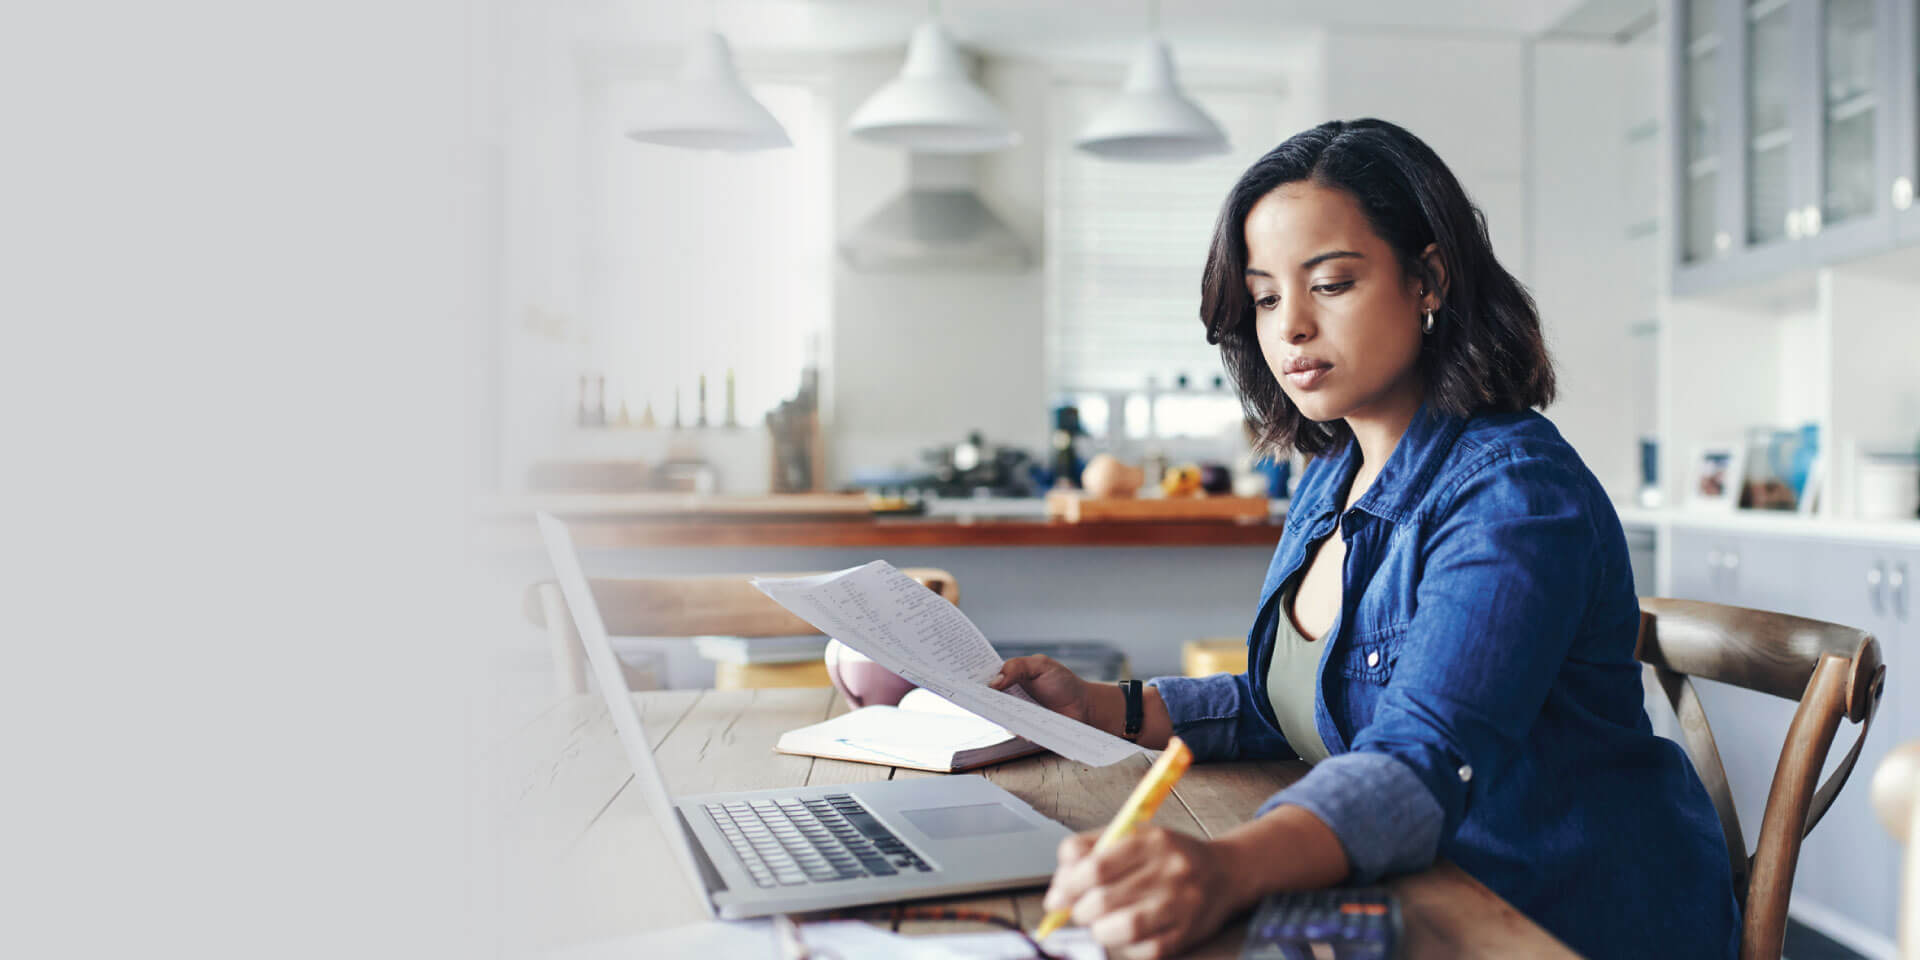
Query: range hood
{"x": 937, "y": 225}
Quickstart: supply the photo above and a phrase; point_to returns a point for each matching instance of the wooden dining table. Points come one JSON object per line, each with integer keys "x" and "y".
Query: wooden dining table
{"x": 579, "y": 859}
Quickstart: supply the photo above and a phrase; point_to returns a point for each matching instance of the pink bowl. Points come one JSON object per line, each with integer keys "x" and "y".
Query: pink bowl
{"x": 860, "y": 680}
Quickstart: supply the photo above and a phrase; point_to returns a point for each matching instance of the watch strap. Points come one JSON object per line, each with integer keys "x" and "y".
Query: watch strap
{"x": 1136, "y": 708}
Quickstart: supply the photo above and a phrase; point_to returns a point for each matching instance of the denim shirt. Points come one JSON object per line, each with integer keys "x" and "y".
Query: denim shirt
{"x": 1479, "y": 696}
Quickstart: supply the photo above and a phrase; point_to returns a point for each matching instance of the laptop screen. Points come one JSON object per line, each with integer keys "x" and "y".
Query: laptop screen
{"x": 613, "y": 686}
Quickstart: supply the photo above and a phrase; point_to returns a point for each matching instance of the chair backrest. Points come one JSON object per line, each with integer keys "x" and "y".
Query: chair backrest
{"x": 677, "y": 607}
{"x": 1834, "y": 671}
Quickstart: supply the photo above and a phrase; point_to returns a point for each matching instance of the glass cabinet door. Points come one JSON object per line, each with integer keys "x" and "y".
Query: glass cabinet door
{"x": 1767, "y": 90}
{"x": 1853, "y": 108}
{"x": 1904, "y": 107}
{"x": 1850, "y": 105}
{"x": 1849, "y": 110}
{"x": 1798, "y": 134}
{"x": 1702, "y": 49}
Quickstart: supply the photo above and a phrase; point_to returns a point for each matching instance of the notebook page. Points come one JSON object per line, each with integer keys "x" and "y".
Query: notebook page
{"x": 925, "y": 702}
{"x": 924, "y": 738}
{"x": 917, "y": 634}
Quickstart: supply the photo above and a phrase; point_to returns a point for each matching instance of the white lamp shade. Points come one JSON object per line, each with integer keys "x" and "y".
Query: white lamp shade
{"x": 1152, "y": 120}
{"x": 933, "y": 106}
{"x": 708, "y": 108}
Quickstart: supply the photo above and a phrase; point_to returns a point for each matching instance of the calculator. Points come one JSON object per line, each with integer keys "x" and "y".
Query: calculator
{"x": 1344, "y": 923}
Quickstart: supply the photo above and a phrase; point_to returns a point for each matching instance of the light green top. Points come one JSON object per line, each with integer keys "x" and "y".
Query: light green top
{"x": 1293, "y": 680}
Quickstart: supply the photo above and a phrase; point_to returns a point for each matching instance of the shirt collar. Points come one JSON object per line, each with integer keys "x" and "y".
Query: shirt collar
{"x": 1415, "y": 460}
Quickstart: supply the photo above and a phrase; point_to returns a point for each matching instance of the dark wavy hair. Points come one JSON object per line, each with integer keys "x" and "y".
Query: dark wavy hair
{"x": 1486, "y": 352}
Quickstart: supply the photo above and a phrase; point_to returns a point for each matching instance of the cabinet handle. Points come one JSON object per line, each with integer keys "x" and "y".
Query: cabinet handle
{"x": 1897, "y": 583}
{"x": 1902, "y": 192}
{"x": 1713, "y": 559}
{"x": 1875, "y": 594}
{"x": 1810, "y": 224}
{"x": 1793, "y": 224}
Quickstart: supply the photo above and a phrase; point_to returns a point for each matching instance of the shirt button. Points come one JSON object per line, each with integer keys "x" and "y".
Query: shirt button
{"x": 1466, "y": 773}
{"x": 1373, "y": 659}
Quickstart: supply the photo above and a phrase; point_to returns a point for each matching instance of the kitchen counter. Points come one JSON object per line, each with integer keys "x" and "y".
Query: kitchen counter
{"x": 1773, "y": 522}
{"x": 599, "y": 523}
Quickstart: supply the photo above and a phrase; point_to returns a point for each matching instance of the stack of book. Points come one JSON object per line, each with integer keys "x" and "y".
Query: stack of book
{"x": 810, "y": 646}
{"x": 741, "y": 663}
{"x": 1089, "y": 659}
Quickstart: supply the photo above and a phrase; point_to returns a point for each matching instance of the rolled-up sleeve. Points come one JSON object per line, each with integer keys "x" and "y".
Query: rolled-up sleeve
{"x": 1217, "y": 718}
{"x": 1508, "y": 571}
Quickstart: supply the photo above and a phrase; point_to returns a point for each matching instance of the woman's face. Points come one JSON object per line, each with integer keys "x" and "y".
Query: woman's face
{"x": 1338, "y": 319}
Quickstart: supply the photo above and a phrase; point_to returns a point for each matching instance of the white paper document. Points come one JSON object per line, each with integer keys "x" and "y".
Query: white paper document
{"x": 917, "y": 634}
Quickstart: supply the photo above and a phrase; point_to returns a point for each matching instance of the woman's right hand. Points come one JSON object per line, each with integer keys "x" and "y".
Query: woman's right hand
{"x": 1050, "y": 684}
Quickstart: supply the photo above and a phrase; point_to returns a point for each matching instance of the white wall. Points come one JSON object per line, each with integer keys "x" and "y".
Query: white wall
{"x": 1464, "y": 96}
{"x": 541, "y": 326}
{"x": 1588, "y": 280}
{"x": 1535, "y": 133}
{"x": 574, "y": 228}
{"x": 920, "y": 359}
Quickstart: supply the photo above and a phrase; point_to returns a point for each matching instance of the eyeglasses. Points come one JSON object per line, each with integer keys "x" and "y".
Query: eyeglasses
{"x": 792, "y": 947}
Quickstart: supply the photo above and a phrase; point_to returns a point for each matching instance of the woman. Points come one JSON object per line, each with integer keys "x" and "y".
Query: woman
{"x": 1458, "y": 662}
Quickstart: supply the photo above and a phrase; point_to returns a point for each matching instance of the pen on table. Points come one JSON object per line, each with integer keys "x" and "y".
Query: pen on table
{"x": 1139, "y": 807}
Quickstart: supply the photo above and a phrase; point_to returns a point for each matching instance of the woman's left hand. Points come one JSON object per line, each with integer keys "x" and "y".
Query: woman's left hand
{"x": 1152, "y": 895}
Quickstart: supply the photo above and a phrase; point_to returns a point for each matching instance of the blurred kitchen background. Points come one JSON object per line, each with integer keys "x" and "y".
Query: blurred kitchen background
{"x": 923, "y": 262}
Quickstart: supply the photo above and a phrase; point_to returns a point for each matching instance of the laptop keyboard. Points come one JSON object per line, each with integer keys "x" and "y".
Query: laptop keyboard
{"x": 787, "y": 842}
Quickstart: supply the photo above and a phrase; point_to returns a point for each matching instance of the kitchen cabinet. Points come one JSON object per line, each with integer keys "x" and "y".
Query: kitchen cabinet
{"x": 1848, "y": 865}
{"x": 1904, "y": 103}
{"x": 1699, "y": 52}
{"x": 1796, "y": 119}
{"x": 1847, "y": 868}
{"x": 1749, "y": 727}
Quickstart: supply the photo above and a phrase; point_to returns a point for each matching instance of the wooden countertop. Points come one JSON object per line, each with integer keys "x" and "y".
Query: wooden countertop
{"x": 600, "y": 533}
{"x": 615, "y": 523}
{"x": 582, "y": 862}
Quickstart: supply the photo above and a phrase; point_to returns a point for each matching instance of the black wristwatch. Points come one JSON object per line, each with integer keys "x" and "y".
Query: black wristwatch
{"x": 1136, "y": 709}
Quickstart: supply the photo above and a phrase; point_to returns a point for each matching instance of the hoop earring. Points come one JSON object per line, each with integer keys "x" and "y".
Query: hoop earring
{"x": 1427, "y": 327}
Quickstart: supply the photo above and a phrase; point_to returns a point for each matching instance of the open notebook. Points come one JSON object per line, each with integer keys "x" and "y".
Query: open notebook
{"x": 925, "y": 732}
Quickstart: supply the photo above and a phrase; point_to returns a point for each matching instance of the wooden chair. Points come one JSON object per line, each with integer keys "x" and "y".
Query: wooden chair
{"x": 1832, "y": 670}
{"x": 676, "y": 607}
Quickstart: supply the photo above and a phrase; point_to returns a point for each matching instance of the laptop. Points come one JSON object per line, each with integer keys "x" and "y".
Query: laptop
{"x": 798, "y": 849}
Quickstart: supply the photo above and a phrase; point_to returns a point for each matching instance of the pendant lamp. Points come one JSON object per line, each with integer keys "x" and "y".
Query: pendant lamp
{"x": 1152, "y": 120}
{"x": 708, "y": 107}
{"x": 933, "y": 106}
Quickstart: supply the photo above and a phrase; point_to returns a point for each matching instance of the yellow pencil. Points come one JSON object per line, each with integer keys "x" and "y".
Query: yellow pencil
{"x": 1139, "y": 808}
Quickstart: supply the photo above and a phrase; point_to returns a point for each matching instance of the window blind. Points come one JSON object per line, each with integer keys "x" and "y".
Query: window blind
{"x": 1127, "y": 243}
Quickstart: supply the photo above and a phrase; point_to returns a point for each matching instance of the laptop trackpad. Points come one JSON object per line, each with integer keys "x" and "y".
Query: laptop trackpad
{"x": 972, "y": 820}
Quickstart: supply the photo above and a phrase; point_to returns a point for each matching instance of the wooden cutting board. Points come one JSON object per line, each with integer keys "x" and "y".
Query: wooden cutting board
{"x": 1076, "y": 507}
